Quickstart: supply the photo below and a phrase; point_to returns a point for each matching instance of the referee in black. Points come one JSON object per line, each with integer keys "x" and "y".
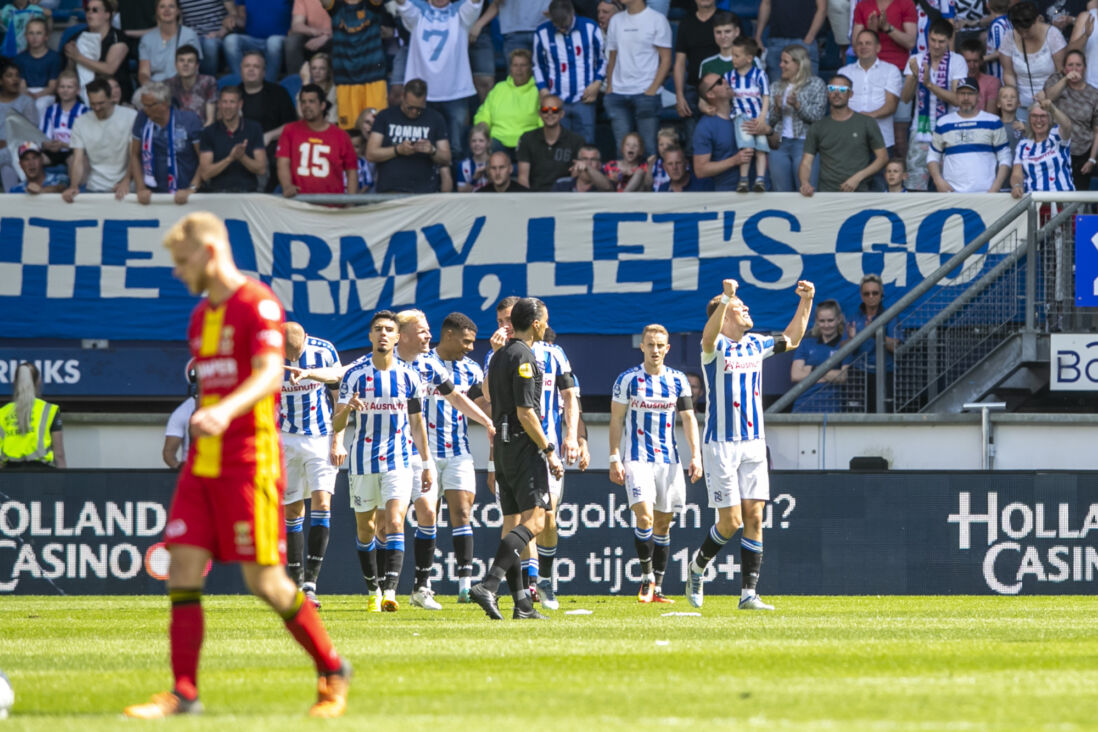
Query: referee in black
{"x": 524, "y": 456}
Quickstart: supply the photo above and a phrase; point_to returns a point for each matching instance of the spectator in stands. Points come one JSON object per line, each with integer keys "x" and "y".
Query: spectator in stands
{"x": 820, "y": 344}
{"x": 39, "y": 65}
{"x": 511, "y": 108}
{"x": 12, "y": 101}
{"x": 973, "y": 51}
{"x": 895, "y": 176}
{"x": 310, "y": 33}
{"x": 439, "y": 54}
{"x": 58, "y": 121}
{"x": 570, "y": 61}
{"x": 877, "y": 85}
{"x": 716, "y": 155}
{"x": 679, "y": 176}
{"x": 791, "y": 22}
{"x": 315, "y": 156}
{"x": 1008, "y": 114}
{"x": 358, "y": 57}
{"x": 210, "y": 19}
{"x": 655, "y": 174}
{"x": 319, "y": 71}
{"x": 135, "y": 18}
{"x": 604, "y": 11}
{"x": 408, "y": 144}
{"x": 164, "y": 148}
{"x": 927, "y": 12}
{"x": 751, "y": 104}
{"x": 694, "y": 43}
{"x": 367, "y": 173}
{"x": 864, "y": 370}
{"x": 797, "y": 101}
{"x": 37, "y": 178}
{"x": 267, "y": 103}
{"x": 627, "y": 173}
{"x": 518, "y": 19}
{"x": 998, "y": 28}
{"x": 894, "y": 22}
{"x": 261, "y": 25}
{"x": 499, "y": 175}
{"x": 472, "y": 172}
{"x": 931, "y": 79}
{"x": 639, "y": 44}
{"x": 546, "y": 154}
{"x": 969, "y": 152}
{"x": 1079, "y": 101}
{"x": 231, "y": 154}
{"x": 482, "y": 52}
{"x": 190, "y": 89}
{"x": 30, "y": 429}
{"x": 585, "y": 174}
{"x": 697, "y": 388}
{"x": 1043, "y": 160}
{"x": 726, "y": 29}
{"x": 1030, "y": 54}
{"x": 100, "y": 141}
{"x": 14, "y": 19}
{"x": 158, "y": 49}
{"x": 850, "y": 145}
{"x": 101, "y": 50}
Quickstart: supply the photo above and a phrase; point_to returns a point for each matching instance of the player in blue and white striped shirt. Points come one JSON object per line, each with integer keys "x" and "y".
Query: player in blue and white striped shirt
{"x": 735, "y": 448}
{"x": 569, "y": 62}
{"x": 385, "y": 397}
{"x": 643, "y": 403}
{"x": 415, "y": 341}
{"x": 305, "y": 420}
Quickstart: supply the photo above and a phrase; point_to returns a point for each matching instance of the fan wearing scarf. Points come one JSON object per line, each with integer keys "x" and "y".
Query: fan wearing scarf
{"x": 930, "y": 79}
{"x": 164, "y": 148}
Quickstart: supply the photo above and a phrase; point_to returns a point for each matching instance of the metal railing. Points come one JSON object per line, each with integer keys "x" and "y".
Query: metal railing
{"x": 1010, "y": 286}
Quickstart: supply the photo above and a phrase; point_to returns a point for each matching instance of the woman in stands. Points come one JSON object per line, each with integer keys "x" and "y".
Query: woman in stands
{"x": 1042, "y": 161}
{"x": 30, "y": 429}
{"x": 797, "y": 100}
{"x": 1078, "y": 99}
{"x": 1031, "y": 53}
{"x": 101, "y": 49}
{"x": 319, "y": 71}
{"x": 156, "y": 50}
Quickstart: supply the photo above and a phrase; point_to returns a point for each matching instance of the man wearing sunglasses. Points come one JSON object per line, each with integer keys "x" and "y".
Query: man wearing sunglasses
{"x": 716, "y": 155}
{"x": 546, "y": 154}
{"x": 850, "y": 145}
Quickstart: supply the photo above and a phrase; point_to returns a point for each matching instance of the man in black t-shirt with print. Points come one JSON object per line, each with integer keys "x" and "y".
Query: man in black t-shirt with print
{"x": 524, "y": 456}
{"x": 408, "y": 144}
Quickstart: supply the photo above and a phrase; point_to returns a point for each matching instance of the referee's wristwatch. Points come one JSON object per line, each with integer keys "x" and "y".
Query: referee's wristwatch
{"x": 548, "y": 450}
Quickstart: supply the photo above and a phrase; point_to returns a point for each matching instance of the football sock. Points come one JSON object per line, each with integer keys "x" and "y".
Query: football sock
{"x": 751, "y": 559}
{"x": 533, "y": 566}
{"x": 394, "y": 560}
{"x": 463, "y": 550}
{"x": 547, "y": 555}
{"x": 661, "y": 551}
{"x": 642, "y": 539}
{"x": 709, "y": 548}
{"x": 382, "y": 556}
{"x": 514, "y": 581}
{"x": 319, "y": 530}
{"x": 367, "y": 559}
{"x": 424, "y": 547}
{"x": 507, "y": 556}
{"x": 185, "y": 632}
{"x": 304, "y": 625}
{"x": 295, "y": 547}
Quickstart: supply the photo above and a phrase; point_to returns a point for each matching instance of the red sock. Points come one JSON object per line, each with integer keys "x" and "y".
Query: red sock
{"x": 186, "y": 631}
{"x": 307, "y": 629}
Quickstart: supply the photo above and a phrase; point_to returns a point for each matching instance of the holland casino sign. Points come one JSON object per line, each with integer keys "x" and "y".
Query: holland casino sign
{"x": 1041, "y": 541}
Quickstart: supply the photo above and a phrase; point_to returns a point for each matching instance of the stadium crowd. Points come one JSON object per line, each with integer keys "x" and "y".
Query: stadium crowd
{"x": 335, "y": 96}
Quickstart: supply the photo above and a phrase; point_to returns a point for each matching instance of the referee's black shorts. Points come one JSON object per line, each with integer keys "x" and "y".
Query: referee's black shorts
{"x": 522, "y": 475}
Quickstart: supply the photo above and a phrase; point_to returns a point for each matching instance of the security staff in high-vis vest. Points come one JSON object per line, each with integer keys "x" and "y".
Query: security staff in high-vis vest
{"x": 30, "y": 428}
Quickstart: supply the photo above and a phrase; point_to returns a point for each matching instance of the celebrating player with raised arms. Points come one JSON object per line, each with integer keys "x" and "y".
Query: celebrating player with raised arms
{"x": 644, "y": 402}
{"x": 735, "y": 447}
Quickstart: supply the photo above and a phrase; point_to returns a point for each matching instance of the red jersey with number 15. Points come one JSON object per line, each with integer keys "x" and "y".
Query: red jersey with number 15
{"x": 317, "y": 159}
{"x": 223, "y": 342}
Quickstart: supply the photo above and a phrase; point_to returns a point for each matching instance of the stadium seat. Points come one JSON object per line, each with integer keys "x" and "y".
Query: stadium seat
{"x": 228, "y": 80}
{"x": 292, "y": 84}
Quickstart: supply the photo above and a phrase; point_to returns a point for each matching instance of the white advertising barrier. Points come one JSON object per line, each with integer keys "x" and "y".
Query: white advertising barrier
{"x": 604, "y": 263}
{"x": 1074, "y": 361}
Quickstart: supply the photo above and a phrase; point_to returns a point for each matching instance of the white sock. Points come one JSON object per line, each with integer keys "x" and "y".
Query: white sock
{"x": 744, "y": 594}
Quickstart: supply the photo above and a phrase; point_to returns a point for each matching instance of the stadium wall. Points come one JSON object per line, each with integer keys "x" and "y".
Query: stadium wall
{"x": 98, "y": 532}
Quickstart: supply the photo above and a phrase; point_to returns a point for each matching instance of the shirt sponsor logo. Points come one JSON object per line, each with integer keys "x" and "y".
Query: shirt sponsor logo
{"x": 216, "y": 369}
{"x": 636, "y": 403}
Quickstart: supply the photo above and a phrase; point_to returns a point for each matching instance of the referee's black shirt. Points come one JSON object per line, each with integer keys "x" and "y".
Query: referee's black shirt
{"x": 514, "y": 380}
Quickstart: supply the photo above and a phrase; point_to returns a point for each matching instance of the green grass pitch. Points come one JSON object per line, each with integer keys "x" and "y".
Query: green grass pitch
{"x": 834, "y": 663}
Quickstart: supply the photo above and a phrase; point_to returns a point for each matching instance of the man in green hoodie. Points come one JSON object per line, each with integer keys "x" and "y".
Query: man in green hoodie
{"x": 511, "y": 108}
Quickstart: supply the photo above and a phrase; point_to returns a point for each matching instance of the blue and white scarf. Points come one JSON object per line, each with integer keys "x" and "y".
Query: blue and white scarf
{"x": 147, "y": 156}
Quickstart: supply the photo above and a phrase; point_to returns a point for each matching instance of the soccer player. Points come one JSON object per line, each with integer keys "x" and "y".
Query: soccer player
{"x": 227, "y": 503}
{"x": 305, "y": 420}
{"x": 645, "y": 399}
{"x": 386, "y": 396}
{"x": 734, "y": 455}
{"x": 448, "y": 432}
{"x": 412, "y": 347}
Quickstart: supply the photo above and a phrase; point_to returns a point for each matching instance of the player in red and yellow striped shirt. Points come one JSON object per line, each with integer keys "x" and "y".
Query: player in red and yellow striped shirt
{"x": 228, "y": 502}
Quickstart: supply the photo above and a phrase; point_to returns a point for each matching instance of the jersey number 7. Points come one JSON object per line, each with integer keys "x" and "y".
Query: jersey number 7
{"x": 442, "y": 35}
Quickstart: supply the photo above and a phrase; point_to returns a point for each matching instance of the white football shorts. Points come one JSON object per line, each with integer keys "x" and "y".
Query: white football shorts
{"x": 660, "y": 485}
{"x": 373, "y": 490}
{"x": 735, "y": 471}
{"x": 308, "y": 466}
